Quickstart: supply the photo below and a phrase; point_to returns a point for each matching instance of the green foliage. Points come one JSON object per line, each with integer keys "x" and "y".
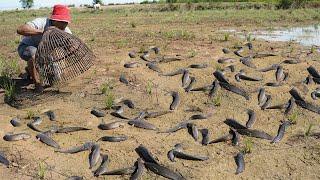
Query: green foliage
{"x": 10, "y": 91}
{"x": 178, "y": 34}
{"x": 293, "y": 117}
{"x": 42, "y": 170}
{"x": 308, "y": 131}
{"x": 26, "y": 4}
{"x": 9, "y": 68}
{"x": 133, "y": 25}
{"x": 217, "y": 101}
{"x": 226, "y": 37}
{"x": 192, "y": 53}
{"x": 248, "y": 146}
{"x": 109, "y": 100}
{"x": 30, "y": 114}
{"x": 287, "y": 4}
{"x": 106, "y": 87}
{"x": 149, "y": 87}
{"x": 97, "y": 2}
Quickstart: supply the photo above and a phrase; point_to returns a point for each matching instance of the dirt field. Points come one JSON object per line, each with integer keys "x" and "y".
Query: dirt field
{"x": 196, "y": 36}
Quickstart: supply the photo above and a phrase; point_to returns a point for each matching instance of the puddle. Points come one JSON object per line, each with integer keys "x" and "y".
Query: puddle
{"x": 306, "y": 36}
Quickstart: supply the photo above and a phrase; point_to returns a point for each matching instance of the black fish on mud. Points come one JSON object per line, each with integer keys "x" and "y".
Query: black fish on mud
{"x": 163, "y": 171}
{"x": 235, "y": 90}
{"x": 47, "y": 140}
{"x": 113, "y": 138}
{"x": 144, "y": 153}
{"x": 97, "y": 112}
{"x": 86, "y": 146}
{"x": 281, "y": 131}
{"x": 16, "y": 137}
{"x": 175, "y": 99}
{"x": 239, "y": 159}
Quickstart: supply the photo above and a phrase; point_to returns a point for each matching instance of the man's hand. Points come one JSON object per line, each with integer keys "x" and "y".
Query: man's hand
{"x": 27, "y": 30}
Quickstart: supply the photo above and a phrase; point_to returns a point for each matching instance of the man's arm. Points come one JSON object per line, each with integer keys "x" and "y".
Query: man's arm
{"x": 27, "y": 30}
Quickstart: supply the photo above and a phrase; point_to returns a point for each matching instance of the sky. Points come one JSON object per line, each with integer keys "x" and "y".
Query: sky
{"x": 13, "y": 4}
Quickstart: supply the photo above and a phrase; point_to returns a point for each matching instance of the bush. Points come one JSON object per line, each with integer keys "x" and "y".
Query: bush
{"x": 287, "y": 4}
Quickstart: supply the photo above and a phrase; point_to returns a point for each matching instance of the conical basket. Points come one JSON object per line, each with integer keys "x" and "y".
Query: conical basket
{"x": 61, "y": 56}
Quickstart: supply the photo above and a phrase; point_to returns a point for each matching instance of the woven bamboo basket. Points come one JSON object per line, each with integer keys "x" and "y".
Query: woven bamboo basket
{"x": 61, "y": 56}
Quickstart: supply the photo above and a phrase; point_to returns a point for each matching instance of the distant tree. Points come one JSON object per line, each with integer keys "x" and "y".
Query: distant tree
{"x": 97, "y": 2}
{"x": 26, "y": 4}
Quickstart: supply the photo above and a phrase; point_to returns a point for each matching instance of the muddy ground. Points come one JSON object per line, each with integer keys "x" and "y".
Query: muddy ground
{"x": 111, "y": 35}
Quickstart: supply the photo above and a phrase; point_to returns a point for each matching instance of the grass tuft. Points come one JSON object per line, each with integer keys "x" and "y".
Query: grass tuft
{"x": 149, "y": 87}
{"x": 308, "y": 131}
{"x": 248, "y": 146}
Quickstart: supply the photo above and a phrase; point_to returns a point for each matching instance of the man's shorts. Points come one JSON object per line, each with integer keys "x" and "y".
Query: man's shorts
{"x": 26, "y": 52}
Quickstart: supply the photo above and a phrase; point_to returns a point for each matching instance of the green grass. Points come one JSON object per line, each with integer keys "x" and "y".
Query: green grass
{"x": 106, "y": 87}
{"x": 192, "y": 53}
{"x": 293, "y": 117}
{"x": 226, "y": 37}
{"x": 149, "y": 87}
{"x": 248, "y": 146}
{"x": 308, "y": 131}
{"x": 179, "y": 34}
{"x": 109, "y": 100}
{"x": 42, "y": 169}
{"x": 30, "y": 114}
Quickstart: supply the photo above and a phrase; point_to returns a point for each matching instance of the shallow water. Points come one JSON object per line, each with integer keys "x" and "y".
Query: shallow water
{"x": 307, "y": 36}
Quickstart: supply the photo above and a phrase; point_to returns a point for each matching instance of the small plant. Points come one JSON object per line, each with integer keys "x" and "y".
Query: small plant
{"x": 192, "y": 54}
{"x": 218, "y": 67}
{"x": 9, "y": 90}
{"x": 42, "y": 170}
{"x": 109, "y": 100}
{"x": 226, "y": 36}
{"x": 217, "y": 101}
{"x": 133, "y": 25}
{"x": 293, "y": 117}
{"x": 106, "y": 87}
{"x": 149, "y": 87}
{"x": 313, "y": 49}
{"x": 248, "y": 146}
{"x": 30, "y": 114}
{"x": 308, "y": 131}
{"x": 249, "y": 38}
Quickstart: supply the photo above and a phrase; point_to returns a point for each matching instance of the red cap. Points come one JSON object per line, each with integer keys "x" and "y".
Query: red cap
{"x": 61, "y": 13}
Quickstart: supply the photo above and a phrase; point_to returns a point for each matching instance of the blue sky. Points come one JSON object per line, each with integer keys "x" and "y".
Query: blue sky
{"x": 13, "y": 4}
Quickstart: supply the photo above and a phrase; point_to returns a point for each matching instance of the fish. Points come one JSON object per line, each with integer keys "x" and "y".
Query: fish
{"x": 198, "y": 66}
{"x": 235, "y": 90}
{"x": 103, "y": 167}
{"x": 123, "y": 171}
{"x": 94, "y": 155}
{"x": 309, "y": 80}
{"x": 295, "y": 94}
{"x": 281, "y": 131}
{"x": 4, "y": 160}
{"x": 279, "y": 74}
{"x": 182, "y": 155}
{"x": 163, "y": 171}
{"x": 144, "y": 153}
{"x": 113, "y": 138}
{"x": 274, "y": 84}
{"x": 226, "y": 60}
{"x": 235, "y": 137}
{"x": 214, "y": 89}
{"x": 139, "y": 169}
{"x": 174, "y": 73}
{"x": 131, "y": 65}
{"x": 231, "y": 68}
{"x": 123, "y": 79}
{"x": 316, "y": 80}
{"x": 290, "y": 105}
{"x": 181, "y": 125}
{"x": 176, "y": 99}
{"x": 15, "y": 122}
{"x": 51, "y": 115}
{"x": 255, "y": 133}
{"x": 247, "y": 61}
{"x": 97, "y": 113}
{"x": 308, "y": 106}
{"x": 166, "y": 59}
{"x": 223, "y": 138}
{"x": 272, "y": 67}
{"x": 47, "y": 140}
{"x": 16, "y": 137}
{"x": 225, "y": 50}
{"x": 313, "y": 72}
{"x": 267, "y": 103}
{"x": 249, "y": 45}
{"x": 109, "y": 126}
{"x": 185, "y": 78}
{"x": 220, "y": 77}
{"x": 115, "y": 114}
{"x": 252, "y": 118}
{"x": 262, "y": 55}
{"x": 279, "y": 106}
{"x": 33, "y": 127}
{"x": 132, "y": 54}
{"x": 193, "y": 131}
{"x": 241, "y": 75}
{"x": 204, "y": 88}
{"x": 75, "y": 178}
{"x": 291, "y": 61}
{"x": 237, "y": 52}
{"x": 145, "y": 57}
{"x": 153, "y": 67}
{"x": 36, "y": 121}
{"x": 86, "y": 146}
{"x": 205, "y": 136}
{"x": 190, "y": 86}
{"x": 156, "y": 114}
{"x": 239, "y": 159}
{"x": 142, "y": 124}
{"x": 315, "y": 94}
{"x": 155, "y": 49}
{"x": 200, "y": 116}
{"x": 71, "y": 129}
{"x": 128, "y": 103}
{"x": 234, "y": 124}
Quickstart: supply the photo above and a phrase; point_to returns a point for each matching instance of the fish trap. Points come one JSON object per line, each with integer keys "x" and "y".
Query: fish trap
{"x": 61, "y": 56}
